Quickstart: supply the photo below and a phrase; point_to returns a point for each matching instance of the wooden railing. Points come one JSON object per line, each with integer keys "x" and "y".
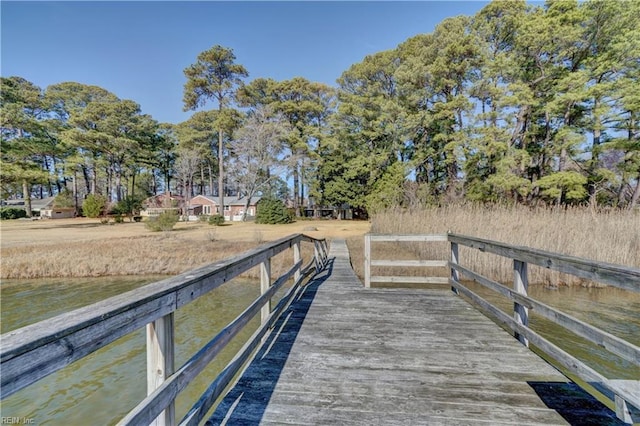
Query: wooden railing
{"x": 35, "y": 351}
{"x": 622, "y": 392}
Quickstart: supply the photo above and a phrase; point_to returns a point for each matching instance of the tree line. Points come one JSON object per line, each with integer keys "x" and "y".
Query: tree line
{"x": 518, "y": 103}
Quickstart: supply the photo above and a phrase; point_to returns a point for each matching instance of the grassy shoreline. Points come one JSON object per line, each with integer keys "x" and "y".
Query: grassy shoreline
{"x": 86, "y": 248}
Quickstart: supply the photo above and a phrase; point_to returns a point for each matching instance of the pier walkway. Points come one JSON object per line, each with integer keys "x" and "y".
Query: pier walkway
{"x": 343, "y": 354}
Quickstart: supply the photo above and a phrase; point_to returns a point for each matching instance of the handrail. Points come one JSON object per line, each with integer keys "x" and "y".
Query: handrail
{"x": 624, "y": 391}
{"x": 368, "y": 262}
{"x": 614, "y": 275}
{"x": 31, "y": 353}
{"x": 208, "y": 398}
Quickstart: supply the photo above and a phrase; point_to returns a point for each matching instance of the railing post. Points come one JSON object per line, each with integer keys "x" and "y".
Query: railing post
{"x": 325, "y": 254}
{"x": 367, "y": 261}
{"x": 317, "y": 257}
{"x": 265, "y": 283}
{"x": 520, "y": 285}
{"x": 622, "y": 410}
{"x": 296, "y": 259}
{"x": 455, "y": 276}
{"x": 160, "y": 362}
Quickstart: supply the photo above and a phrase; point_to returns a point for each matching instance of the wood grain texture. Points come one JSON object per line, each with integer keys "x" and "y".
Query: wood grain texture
{"x": 30, "y": 353}
{"x": 345, "y": 354}
{"x": 161, "y": 362}
{"x": 409, "y": 237}
{"x": 409, "y": 280}
{"x": 612, "y": 343}
{"x": 624, "y": 277}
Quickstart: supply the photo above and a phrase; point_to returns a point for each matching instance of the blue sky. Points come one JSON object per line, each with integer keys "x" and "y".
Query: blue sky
{"x": 138, "y": 50}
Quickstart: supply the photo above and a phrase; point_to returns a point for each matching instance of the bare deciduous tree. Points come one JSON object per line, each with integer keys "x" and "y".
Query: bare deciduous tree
{"x": 186, "y": 167}
{"x": 258, "y": 152}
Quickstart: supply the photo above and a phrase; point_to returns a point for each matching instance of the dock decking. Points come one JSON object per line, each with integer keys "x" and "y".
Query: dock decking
{"x": 343, "y": 354}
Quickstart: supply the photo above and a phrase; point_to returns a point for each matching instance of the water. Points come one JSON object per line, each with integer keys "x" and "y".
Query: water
{"x": 103, "y": 387}
{"x": 610, "y": 309}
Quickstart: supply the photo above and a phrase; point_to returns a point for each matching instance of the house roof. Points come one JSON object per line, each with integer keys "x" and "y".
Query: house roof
{"x": 36, "y": 203}
{"x": 159, "y": 199}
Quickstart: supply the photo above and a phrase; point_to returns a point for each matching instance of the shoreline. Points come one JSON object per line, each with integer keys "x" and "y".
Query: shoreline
{"x": 85, "y": 248}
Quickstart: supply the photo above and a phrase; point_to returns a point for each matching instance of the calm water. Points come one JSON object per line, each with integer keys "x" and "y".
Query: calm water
{"x": 612, "y": 310}
{"x": 103, "y": 387}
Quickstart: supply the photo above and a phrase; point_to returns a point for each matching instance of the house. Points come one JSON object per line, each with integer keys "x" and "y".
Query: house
{"x": 44, "y": 207}
{"x": 341, "y": 212}
{"x": 58, "y": 213}
{"x": 158, "y": 204}
{"x": 233, "y": 209}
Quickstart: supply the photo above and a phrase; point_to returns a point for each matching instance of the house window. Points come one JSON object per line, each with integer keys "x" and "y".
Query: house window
{"x": 206, "y": 210}
{"x": 227, "y": 208}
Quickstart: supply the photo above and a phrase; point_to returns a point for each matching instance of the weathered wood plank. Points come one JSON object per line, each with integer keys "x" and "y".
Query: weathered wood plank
{"x": 350, "y": 355}
{"x": 568, "y": 361}
{"x": 411, "y": 280}
{"x": 166, "y": 393}
{"x": 521, "y": 287}
{"x": 35, "y": 351}
{"x": 410, "y": 263}
{"x": 612, "y": 343}
{"x": 409, "y": 237}
{"x": 213, "y": 392}
{"x": 265, "y": 283}
{"x": 624, "y": 277}
{"x": 161, "y": 362}
{"x": 367, "y": 260}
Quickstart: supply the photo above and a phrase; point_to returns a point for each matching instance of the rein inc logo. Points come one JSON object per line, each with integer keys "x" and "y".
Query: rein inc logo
{"x": 17, "y": 421}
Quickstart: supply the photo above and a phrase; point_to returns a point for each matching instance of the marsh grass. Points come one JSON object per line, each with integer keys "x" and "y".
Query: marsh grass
{"x": 84, "y": 248}
{"x": 158, "y": 254}
{"x": 607, "y": 236}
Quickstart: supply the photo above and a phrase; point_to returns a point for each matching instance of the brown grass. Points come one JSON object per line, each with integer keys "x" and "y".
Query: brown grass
{"x": 607, "y": 236}
{"x": 86, "y": 248}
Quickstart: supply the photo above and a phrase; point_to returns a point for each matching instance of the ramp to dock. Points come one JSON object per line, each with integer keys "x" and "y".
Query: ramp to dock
{"x": 343, "y": 354}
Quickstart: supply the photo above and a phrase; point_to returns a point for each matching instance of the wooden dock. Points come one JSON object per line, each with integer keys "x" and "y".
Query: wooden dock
{"x": 343, "y": 354}
{"x": 335, "y": 351}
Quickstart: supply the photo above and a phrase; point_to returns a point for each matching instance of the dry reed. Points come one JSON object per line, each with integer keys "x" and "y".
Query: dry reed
{"x": 158, "y": 254}
{"x": 84, "y": 247}
{"x": 611, "y": 236}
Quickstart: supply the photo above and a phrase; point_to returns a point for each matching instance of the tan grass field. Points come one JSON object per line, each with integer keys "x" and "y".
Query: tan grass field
{"x": 85, "y": 247}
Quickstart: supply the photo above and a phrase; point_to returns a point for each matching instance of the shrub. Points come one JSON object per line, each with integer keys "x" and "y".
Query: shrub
{"x": 12, "y": 213}
{"x": 64, "y": 200}
{"x": 118, "y": 218}
{"x": 128, "y": 206}
{"x": 203, "y": 217}
{"x": 93, "y": 205}
{"x": 163, "y": 222}
{"x": 272, "y": 211}
{"x": 216, "y": 219}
